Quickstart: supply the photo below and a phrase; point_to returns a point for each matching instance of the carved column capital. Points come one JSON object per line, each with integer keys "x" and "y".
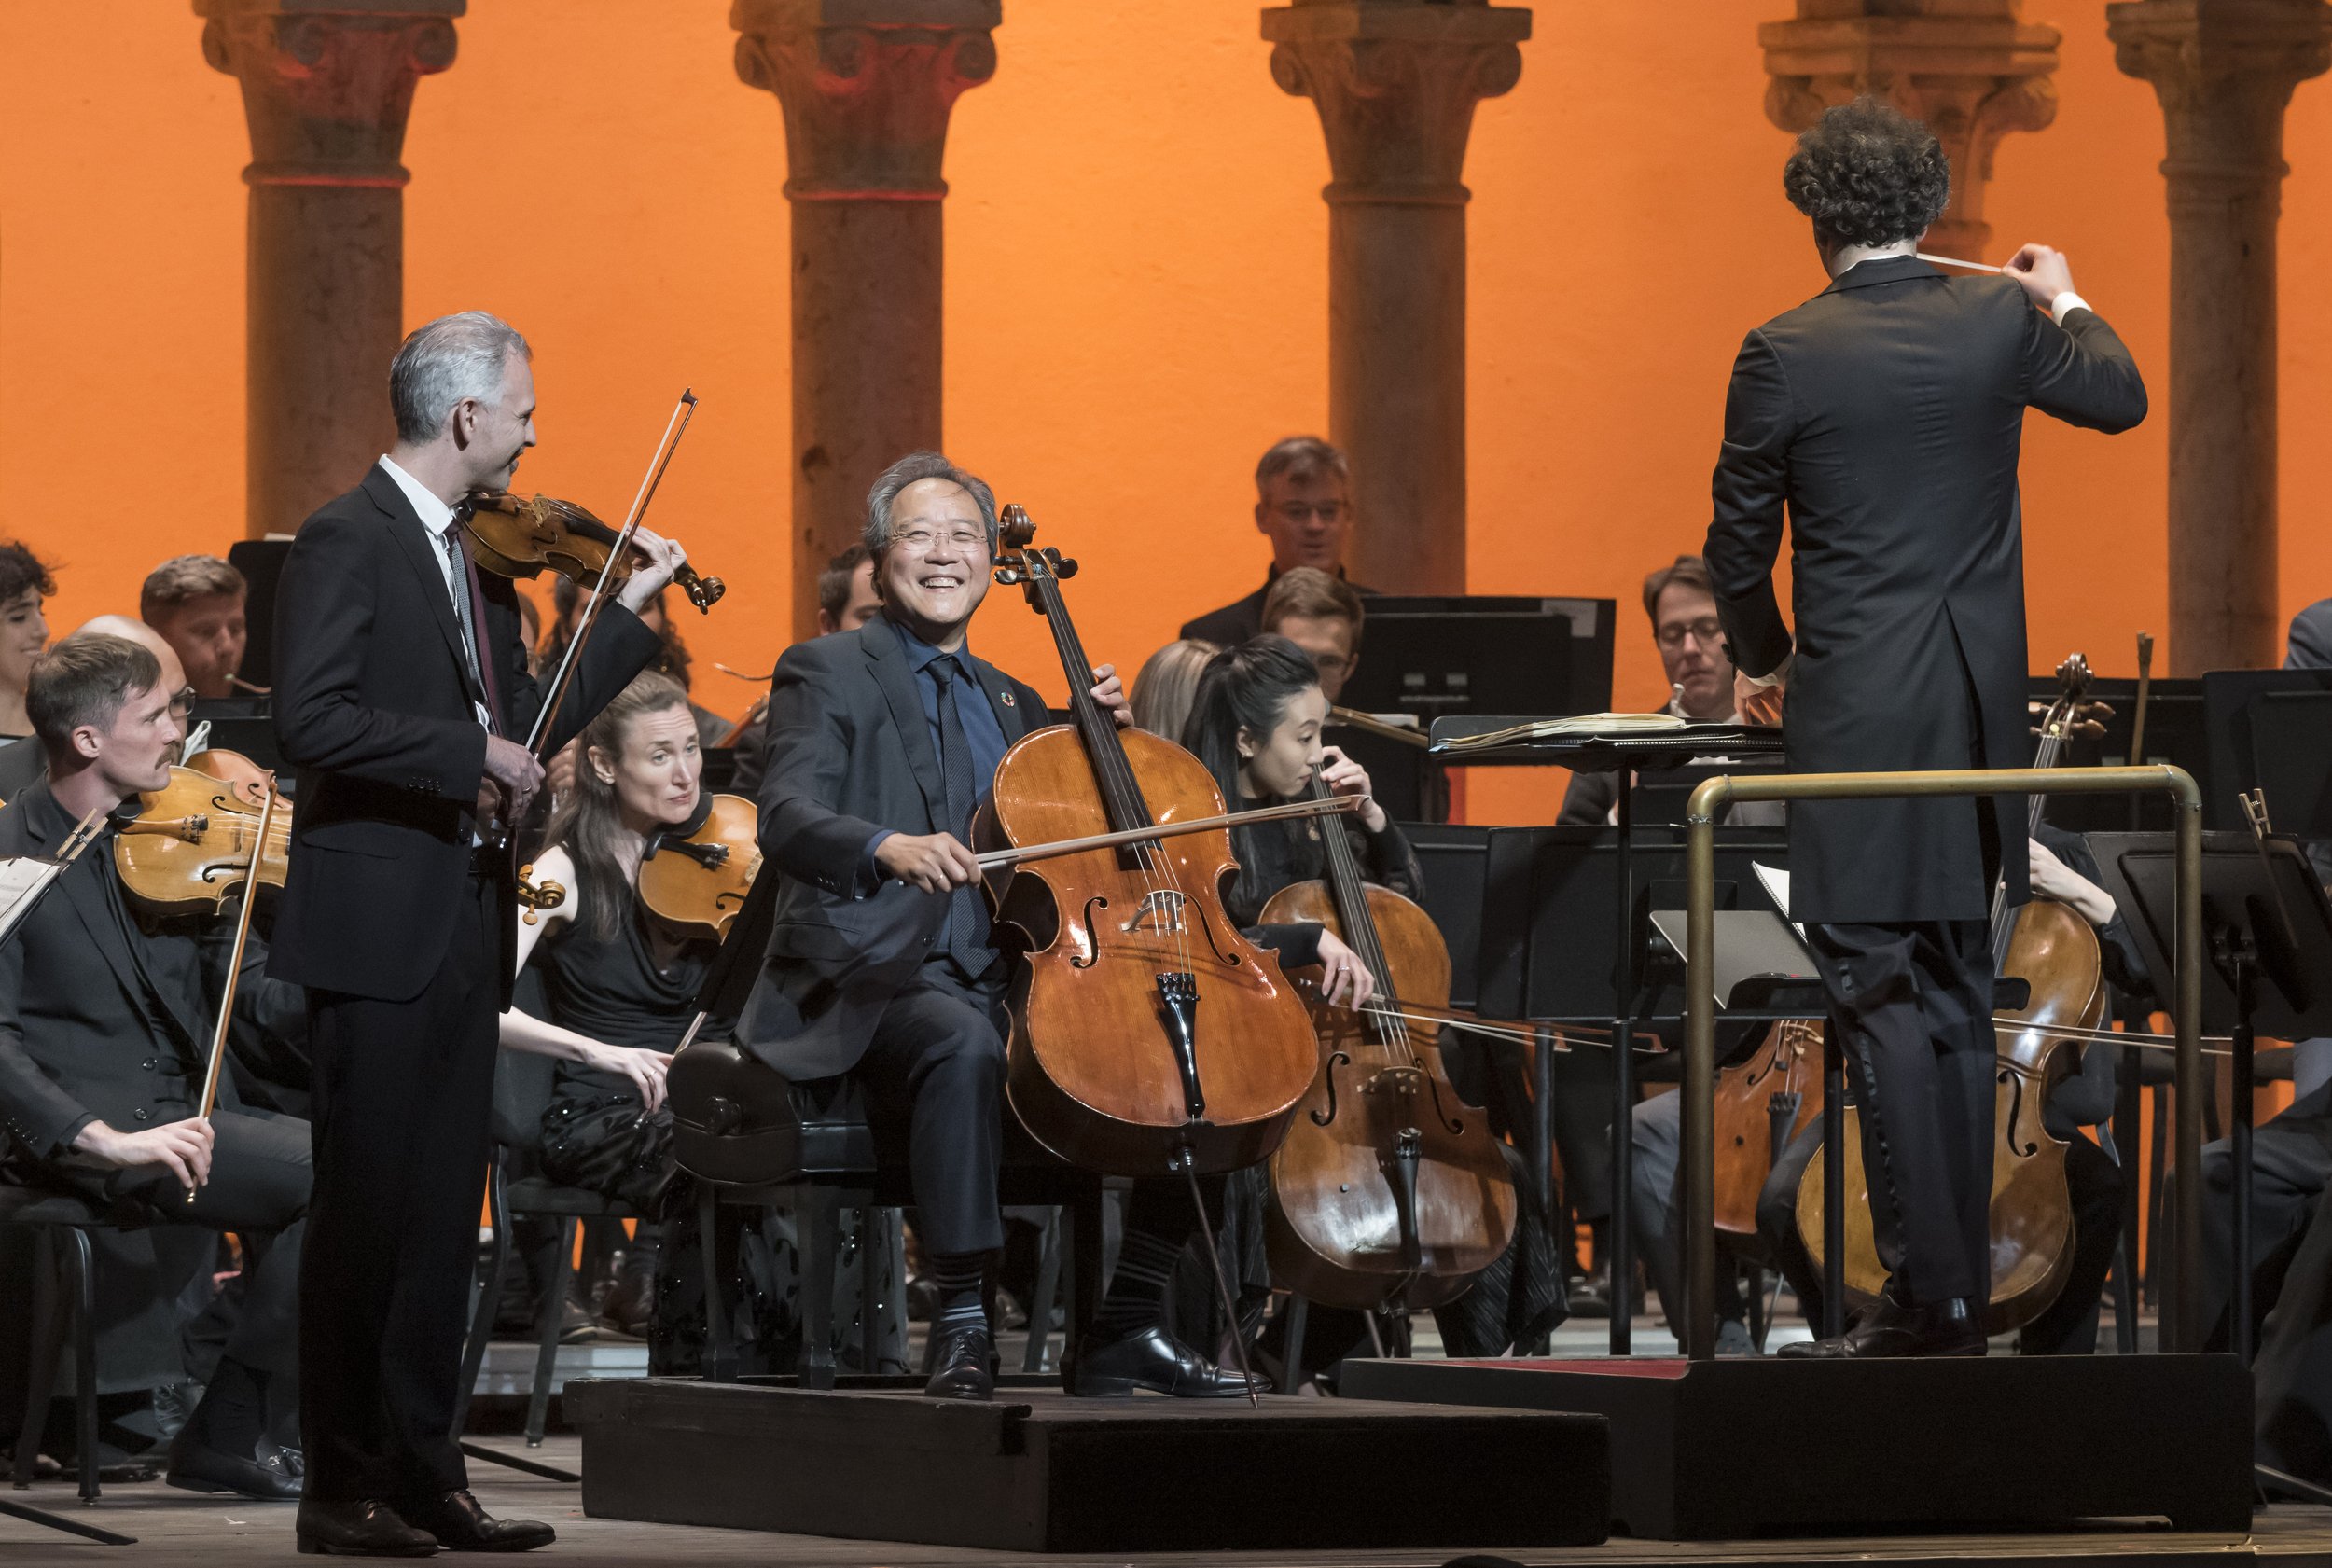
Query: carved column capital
{"x": 2224, "y": 71}
{"x": 866, "y": 87}
{"x": 1395, "y": 82}
{"x": 327, "y": 84}
{"x": 1971, "y": 70}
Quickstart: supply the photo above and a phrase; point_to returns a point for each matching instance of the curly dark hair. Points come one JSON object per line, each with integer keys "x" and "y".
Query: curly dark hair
{"x": 19, "y": 570}
{"x": 1869, "y": 175}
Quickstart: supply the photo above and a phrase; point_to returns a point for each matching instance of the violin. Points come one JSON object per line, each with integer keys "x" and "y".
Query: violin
{"x": 2052, "y": 946}
{"x": 512, "y": 537}
{"x": 1148, "y": 1037}
{"x": 1390, "y": 1190}
{"x": 197, "y": 841}
{"x": 695, "y": 877}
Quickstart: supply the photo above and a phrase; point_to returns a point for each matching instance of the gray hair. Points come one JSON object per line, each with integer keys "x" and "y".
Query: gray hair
{"x": 445, "y": 362}
{"x": 911, "y": 469}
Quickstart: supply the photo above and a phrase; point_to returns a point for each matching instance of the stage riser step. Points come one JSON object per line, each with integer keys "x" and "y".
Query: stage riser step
{"x": 1733, "y": 1448}
{"x": 1047, "y": 1472}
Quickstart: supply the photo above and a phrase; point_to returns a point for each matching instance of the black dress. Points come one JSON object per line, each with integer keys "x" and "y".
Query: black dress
{"x": 613, "y": 990}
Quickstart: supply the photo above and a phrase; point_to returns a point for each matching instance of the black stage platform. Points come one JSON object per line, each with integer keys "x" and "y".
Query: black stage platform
{"x": 1717, "y": 1449}
{"x": 1038, "y": 1471}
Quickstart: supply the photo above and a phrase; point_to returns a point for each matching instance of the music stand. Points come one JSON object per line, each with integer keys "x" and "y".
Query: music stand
{"x": 1481, "y": 654}
{"x": 2265, "y": 918}
{"x": 1612, "y": 753}
{"x": 2271, "y": 730}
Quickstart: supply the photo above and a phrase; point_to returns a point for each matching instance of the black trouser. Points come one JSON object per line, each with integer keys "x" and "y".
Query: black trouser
{"x": 403, "y": 1092}
{"x": 1913, "y": 1004}
{"x": 933, "y": 1076}
{"x": 2290, "y": 1163}
{"x": 260, "y": 1177}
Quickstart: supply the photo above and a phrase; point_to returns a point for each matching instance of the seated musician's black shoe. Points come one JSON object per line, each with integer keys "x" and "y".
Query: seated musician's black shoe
{"x": 1951, "y": 1328}
{"x": 367, "y": 1528}
{"x": 963, "y": 1363}
{"x": 262, "y": 1474}
{"x": 460, "y": 1524}
{"x": 1150, "y": 1359}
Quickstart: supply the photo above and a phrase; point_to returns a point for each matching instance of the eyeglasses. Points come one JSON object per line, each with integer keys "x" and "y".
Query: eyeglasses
{"x": 182, "y": 701}
{"x": 918, "y": 541}
{"x": 1708, "y": 633}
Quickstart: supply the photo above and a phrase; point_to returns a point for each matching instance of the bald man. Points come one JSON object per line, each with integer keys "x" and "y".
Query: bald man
{"x": 23, "y": 764}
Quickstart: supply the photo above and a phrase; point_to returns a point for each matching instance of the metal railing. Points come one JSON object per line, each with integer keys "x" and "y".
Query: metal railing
{"x": 1698, "y": 1156}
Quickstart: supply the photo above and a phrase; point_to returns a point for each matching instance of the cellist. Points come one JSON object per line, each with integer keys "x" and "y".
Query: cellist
{"x": 883, "y": 742}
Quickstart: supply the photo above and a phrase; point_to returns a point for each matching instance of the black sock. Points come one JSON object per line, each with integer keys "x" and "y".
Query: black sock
{"x": 958, "y": 1275}
{"x": 233, "y": 1416}
{"x": 1136, "y": 1298}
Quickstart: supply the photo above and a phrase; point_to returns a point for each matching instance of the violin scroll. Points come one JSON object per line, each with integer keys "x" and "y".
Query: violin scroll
{"x": 536, "y": 896}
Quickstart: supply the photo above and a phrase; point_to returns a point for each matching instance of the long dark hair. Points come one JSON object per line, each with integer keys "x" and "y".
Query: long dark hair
{"x": 589, "y": 824}
{"x": 1247, "y": 688}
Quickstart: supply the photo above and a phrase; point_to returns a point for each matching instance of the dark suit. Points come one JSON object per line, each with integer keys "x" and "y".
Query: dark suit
{"x": 851, "y": 982}
{"x": 1241, "y": 619}
{"x": 105, "y": 1016}
{"x": 1885, "y": 416}
{"x": 405, "y": 935}
{"x": 2309, "y": 645}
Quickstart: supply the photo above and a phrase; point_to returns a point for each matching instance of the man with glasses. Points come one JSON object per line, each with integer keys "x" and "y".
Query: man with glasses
{"x": 1303, "y": 506}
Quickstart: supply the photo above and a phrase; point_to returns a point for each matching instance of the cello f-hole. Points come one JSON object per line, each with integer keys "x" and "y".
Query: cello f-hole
{"x": 1336, "y": 1060}
{"x": 1093, "y": 943}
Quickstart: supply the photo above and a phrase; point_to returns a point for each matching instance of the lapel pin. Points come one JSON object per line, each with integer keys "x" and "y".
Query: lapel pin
{"x": 1006, "y": 697}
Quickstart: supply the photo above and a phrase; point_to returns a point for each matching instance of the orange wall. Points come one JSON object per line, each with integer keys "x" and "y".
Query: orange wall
{"x": 1136, "y": 294}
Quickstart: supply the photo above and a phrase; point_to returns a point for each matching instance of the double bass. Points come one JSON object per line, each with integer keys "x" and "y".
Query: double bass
{"x": 1390, "y": 1190}
{"x": 2054, "y": 949}
{"x": 1148, "y": 1036}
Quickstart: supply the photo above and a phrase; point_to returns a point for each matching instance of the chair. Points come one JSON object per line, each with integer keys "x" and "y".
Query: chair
{"x": 749, "y": 1137}
{"x": 64, "y": 1289}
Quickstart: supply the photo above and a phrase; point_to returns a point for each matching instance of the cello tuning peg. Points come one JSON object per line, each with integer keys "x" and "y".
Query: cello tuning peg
{"x": 1063, "y": 566}
{"x": 2094, "y": 712}
{"x": 2089, "y": 729}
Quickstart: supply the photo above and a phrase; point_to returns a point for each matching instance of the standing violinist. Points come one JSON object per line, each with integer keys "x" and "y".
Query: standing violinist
{"x": 1882, "y": 421}
{"x": 105, "y": 1018}
{"x": 403, "y": 697}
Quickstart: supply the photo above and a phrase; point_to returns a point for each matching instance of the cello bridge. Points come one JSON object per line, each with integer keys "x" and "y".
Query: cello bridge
{"x": 1159, "y": 912}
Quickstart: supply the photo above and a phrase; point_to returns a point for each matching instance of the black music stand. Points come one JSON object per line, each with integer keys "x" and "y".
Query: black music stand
{"x": 1604, "y": 754}
{"x": 2265, "y": 917}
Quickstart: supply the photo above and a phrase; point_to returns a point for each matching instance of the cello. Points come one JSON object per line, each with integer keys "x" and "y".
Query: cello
{"x": 1762, "y": 1103}
{"x": 1148, "y": 1036}
{"x": 1390, "y": 1190}
{"x": 2054, "y": 949}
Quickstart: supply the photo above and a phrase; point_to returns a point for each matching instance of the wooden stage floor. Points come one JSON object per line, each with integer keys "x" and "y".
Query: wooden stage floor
{"x": 181, "y": 1530}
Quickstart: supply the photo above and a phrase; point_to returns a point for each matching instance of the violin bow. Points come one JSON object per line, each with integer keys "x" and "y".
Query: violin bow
{"x": 675, "y": 428}
{"x": 234, "y": 960}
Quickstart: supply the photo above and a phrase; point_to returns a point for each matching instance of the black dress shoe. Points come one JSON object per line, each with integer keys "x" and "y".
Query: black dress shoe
{"x": 262, "y": 1474}
{"x": 367, "y": 1528}
{"x": 1952, "y": 1327}
{"x": 461, "y": 1525}
{"x": 1150, "y": 1359}
{"x": 963, "y": 1363}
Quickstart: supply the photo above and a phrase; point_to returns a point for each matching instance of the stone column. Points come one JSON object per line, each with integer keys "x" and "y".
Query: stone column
{"x": 2224, "y": 71}
{"x": 866, "y": 87}
{"x": 1972, "y": 70}
{"x": 326, "y": 85}
{"x": 1395, "y": 82}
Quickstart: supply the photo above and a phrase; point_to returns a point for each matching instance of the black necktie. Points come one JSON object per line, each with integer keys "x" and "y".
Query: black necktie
{"x": 964, "y": 935}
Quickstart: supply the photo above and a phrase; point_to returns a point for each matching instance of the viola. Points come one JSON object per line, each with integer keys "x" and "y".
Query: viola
{"x": 1148, "y": 1036}
{"x": 515, "y": 537}
{"x": 2052, "y": 946}
{"x": 1390, "y": 1190}
{"x": 198, "y": 840}
{"x": 695, "y": 877}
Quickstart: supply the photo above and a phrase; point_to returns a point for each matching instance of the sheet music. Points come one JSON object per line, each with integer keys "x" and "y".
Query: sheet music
{"x": 1776, "y": 884}
{"x": 21, "y": 880}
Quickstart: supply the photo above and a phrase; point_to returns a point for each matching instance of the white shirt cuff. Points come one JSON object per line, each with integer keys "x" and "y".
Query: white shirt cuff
{"x": 1779, "y": 675}
{"x": 2068, "y": 301}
